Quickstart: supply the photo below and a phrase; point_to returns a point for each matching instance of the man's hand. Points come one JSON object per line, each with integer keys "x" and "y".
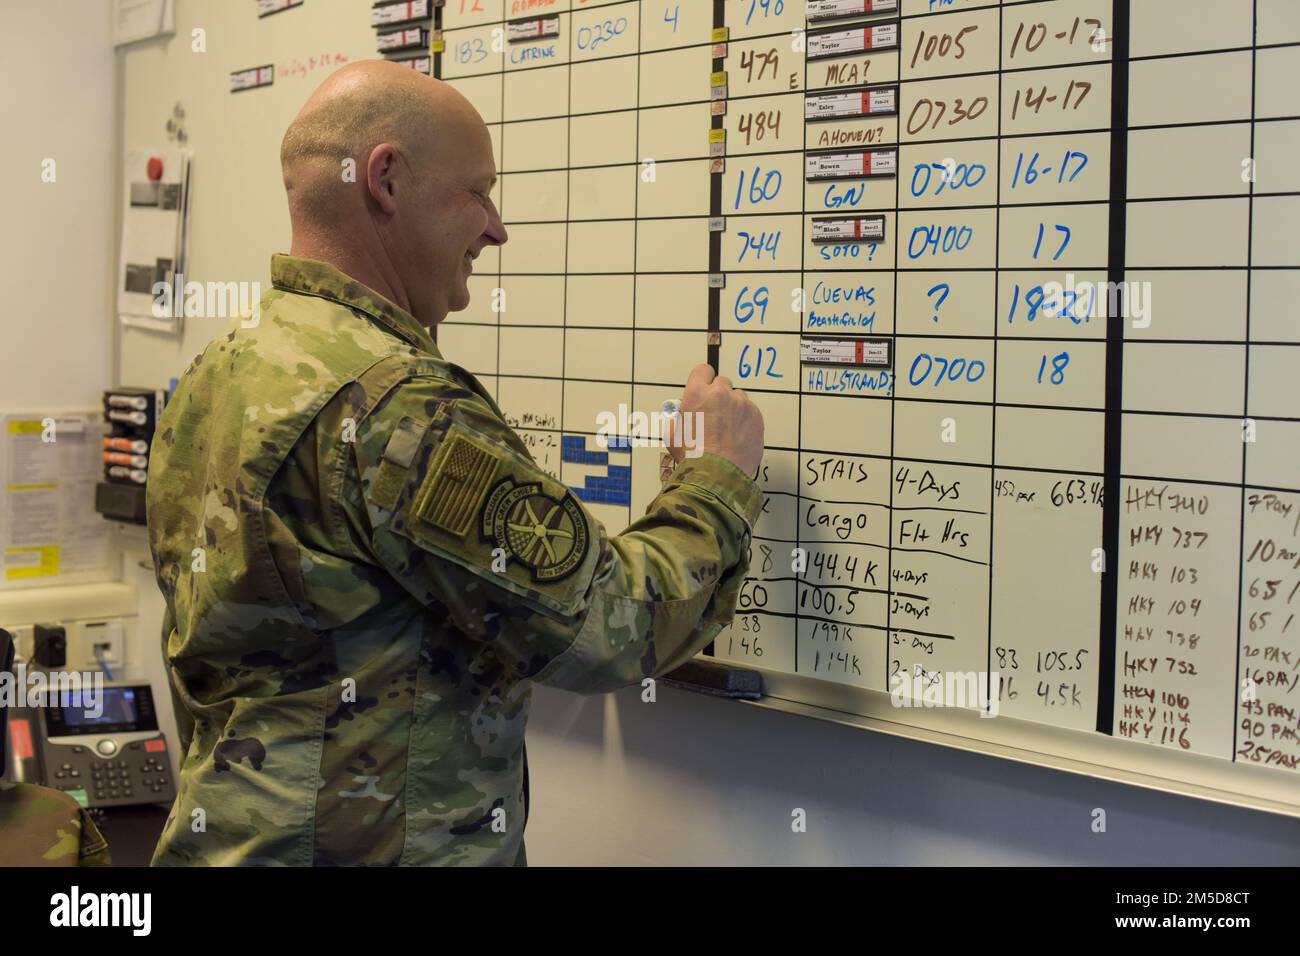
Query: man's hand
{"x": 718, "y": 418}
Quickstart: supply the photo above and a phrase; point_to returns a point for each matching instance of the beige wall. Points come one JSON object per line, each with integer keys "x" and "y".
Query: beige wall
{"x": 57, "y": 245}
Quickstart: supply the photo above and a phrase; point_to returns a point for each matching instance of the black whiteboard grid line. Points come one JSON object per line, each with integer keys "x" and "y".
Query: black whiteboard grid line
{"x": 893, "y": 384}
{"x": 435, "y": 70}
{"x": 1009, "y": 4}
{"x": 986, "y": 137}
{"x": 500, "y": 258}
{"x": 791, "y": 213}
{"x": 581, "y": 167}
{"x": 855, "y": 588}
{"x": 1210, "y": 268}
{"x": 1003, "y": 266}
{"x": 1009, "y": 205}
{"x": 568, "y": 197}
{"x": 542, "y": 118}
{"x": 636, "y": 206}
{"x": 1042, "y": 134}
{"x": 1001, "y": 71}
{"x": 638, "y": 272}
{"x": 928, "y": 336}
{"x": 798, "y": 455}
{"x": 797, "y": 616}
{"x": 1215, "y": 483}
{"x": 833, "y": 332}
{"x": 1168, "y": 413}
{"x": 1234, "y": 343}
{"x": 1245, "y": 392}
{"x": 1249, "y": 196}
{"x": 1113, "y": 438}
{"x": 1099, "y": 339}
{"x": 866, "y": 503}
{"x": 993, "y": 415}
{"x": 716, "y": 122}
{"x": 1181, "y": 54}
{"x": 877, "y": 272}
{"x": 919, "y": 460}
{"x": 636, "y": 201}
{"x": 1239, "y": 121}
{"x": 714, "y": 322}
{"x": 567, "y": 63}
{"x": 947, "y": 511}
{"x": 436, "y": 65}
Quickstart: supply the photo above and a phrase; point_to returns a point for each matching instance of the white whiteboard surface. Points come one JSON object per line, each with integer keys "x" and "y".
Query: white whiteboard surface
{"x": 953, "y": 509}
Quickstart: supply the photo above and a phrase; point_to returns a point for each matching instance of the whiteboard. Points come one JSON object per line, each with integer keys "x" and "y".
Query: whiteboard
{"x": 604, "y": 148}
{"x": 1098, "y": 501}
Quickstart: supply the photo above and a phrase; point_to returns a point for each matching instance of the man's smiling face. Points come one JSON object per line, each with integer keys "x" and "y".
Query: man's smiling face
{"x": 455, "y": 220}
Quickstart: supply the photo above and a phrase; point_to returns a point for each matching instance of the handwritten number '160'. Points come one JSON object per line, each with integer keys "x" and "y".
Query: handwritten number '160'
{"x": 759, "y": 191}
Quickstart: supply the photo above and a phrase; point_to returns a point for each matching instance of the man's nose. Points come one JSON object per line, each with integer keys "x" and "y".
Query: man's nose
{"x": 496, "y": 229}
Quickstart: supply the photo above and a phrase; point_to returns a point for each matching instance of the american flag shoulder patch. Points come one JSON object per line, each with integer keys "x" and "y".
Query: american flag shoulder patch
{"x": 455, "y": 485}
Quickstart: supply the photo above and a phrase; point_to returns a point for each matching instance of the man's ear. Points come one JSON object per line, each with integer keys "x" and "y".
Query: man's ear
{"x": 381, "y": 177}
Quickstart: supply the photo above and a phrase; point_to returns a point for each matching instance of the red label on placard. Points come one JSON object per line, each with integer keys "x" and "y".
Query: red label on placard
{"x": 20, "y": 732}
{"x": 155, "y": 746}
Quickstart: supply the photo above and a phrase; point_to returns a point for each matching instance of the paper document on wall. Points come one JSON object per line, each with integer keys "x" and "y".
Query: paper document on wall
{"x": 49, "y": 530}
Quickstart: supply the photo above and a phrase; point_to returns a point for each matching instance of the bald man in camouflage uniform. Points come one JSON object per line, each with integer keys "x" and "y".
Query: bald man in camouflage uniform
{"x": 365, "y": 571}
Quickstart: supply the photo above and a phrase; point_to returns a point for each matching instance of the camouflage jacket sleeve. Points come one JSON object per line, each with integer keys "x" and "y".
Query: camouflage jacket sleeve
{"x": 44, "y": 827}
{"x": 447, "y": 499}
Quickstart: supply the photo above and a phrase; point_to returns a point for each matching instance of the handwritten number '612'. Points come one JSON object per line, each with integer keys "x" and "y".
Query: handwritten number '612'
{"x": 745, "y": 370}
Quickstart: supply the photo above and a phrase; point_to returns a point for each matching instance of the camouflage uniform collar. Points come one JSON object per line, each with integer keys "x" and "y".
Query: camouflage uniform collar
{"x": 310, "y": 277}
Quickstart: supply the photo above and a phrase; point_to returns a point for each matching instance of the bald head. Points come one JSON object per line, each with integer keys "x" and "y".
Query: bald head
{"x": 388, "y": 173}
{"x": 357, "y": 108}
